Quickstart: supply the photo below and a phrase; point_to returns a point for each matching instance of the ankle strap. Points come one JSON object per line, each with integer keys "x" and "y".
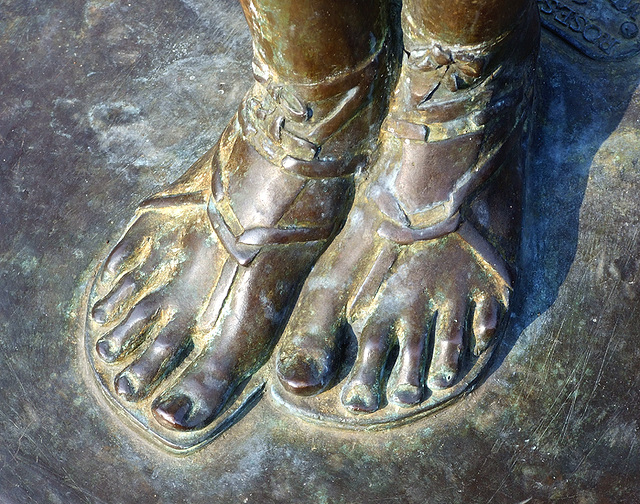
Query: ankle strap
{"x": 302, "y": 127}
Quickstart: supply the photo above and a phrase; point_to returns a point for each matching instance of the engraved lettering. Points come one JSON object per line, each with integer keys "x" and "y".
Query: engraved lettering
{"x": 629, "y": 30}
{"x": 595, "y": 32}
{"x": 606, "y": 43}
{"x": 545, "y": 7}
{"x": 562, "y": 15}
{"x": 577, "y": 24}
{"x": 591, "y": 33}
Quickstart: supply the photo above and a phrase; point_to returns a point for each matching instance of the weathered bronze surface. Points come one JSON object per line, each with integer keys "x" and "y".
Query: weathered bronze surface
{"x": 89, "y": 107}
{"x": 192, "y": 299}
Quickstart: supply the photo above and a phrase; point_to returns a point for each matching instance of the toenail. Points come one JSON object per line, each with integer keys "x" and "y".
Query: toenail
{"x": 99, "y": 314}
{"x": 174, "y": 412}
{"x": 105, "y": 351}
{"x": 407, "y": 395}
{"x": 300, "y": 375}
{"x": 124, "y": 388}
{"x": 359, "y": 399}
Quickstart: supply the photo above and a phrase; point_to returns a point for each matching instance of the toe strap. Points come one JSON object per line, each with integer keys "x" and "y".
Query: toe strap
{"x": 244, "y": 246}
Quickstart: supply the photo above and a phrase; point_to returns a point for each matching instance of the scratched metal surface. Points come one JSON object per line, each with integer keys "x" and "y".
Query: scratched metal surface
{"x": 104, "y": 102}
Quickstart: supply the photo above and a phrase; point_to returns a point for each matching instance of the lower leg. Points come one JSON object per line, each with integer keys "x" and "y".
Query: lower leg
{"x": 461, "y": 22}
{"x": 308, "y": 41}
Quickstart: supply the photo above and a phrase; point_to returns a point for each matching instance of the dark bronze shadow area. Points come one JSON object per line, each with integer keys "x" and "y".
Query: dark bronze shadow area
{"x": 580, "y": 103}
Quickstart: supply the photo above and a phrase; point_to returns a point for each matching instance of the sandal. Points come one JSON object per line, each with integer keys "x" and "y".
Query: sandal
{"x": 422, "y": 272}
{"x": 190, "y": 303}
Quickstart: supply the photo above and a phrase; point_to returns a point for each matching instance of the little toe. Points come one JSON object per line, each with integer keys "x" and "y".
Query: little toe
{"x": 106, "y": 308}
{"x": 448, "y": 347}
{"x": 196, "y": 401}
{"x": 129, "y": 334}
{"x": 485, "y": 322}
{"x": 165, "y": 353}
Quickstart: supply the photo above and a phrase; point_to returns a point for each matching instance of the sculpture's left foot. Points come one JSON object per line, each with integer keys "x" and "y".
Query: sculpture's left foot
{"x": 421, "y": 273}
{"x": 425, "y": 315}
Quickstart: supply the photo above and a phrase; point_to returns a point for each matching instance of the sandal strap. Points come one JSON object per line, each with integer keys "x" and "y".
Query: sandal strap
{"x": 292, "y": 123}
{"x": 309, "y": 166}
{"x": 245, "y": 245}
{"x": 303, "y": 130}
{"x": 487, "y": 105}
{"x": 441, "y": 217}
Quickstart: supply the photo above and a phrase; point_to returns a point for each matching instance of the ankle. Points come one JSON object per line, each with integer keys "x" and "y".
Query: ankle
{"x": 435, "y": 72}
{"x": 337, "y": 119}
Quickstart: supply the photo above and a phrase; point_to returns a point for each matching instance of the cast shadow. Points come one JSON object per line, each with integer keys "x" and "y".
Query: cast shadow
{"x": 580, "y": 102}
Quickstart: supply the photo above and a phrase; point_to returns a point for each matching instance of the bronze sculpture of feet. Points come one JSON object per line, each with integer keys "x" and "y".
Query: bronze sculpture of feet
{"x": 192, "y": 300}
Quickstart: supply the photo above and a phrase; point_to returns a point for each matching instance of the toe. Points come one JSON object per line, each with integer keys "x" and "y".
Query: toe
{"x": 163, "y": 355}
{"x": 406, "y": 394}
{"x": 308, "y": 358}
{"x": 200, "y": 396}
{"x": 407, "y": 389}
{"x": 485, "y": 322}
{"x": 303, "y": 374}
{"x": 129, "y": 334}
{"x": 362, "y": 392}
{"x": 361, "y": 397}
{"x": 174, "y": 412}
{"x": 132, "y": 249}
{"x": 448, "y": 347}
{"x": 107, "y": 308}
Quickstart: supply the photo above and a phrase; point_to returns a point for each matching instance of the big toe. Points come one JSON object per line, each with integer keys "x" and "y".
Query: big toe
{"x": 178, "y": 412}
{"x": 302, "y": 374}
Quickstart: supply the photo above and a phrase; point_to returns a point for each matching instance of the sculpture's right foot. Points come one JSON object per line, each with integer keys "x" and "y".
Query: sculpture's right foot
{"x": 193, "y": 298}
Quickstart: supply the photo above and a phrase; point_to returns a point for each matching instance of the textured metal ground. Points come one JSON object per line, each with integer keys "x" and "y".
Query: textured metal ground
{"x": 104, "y": 102}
